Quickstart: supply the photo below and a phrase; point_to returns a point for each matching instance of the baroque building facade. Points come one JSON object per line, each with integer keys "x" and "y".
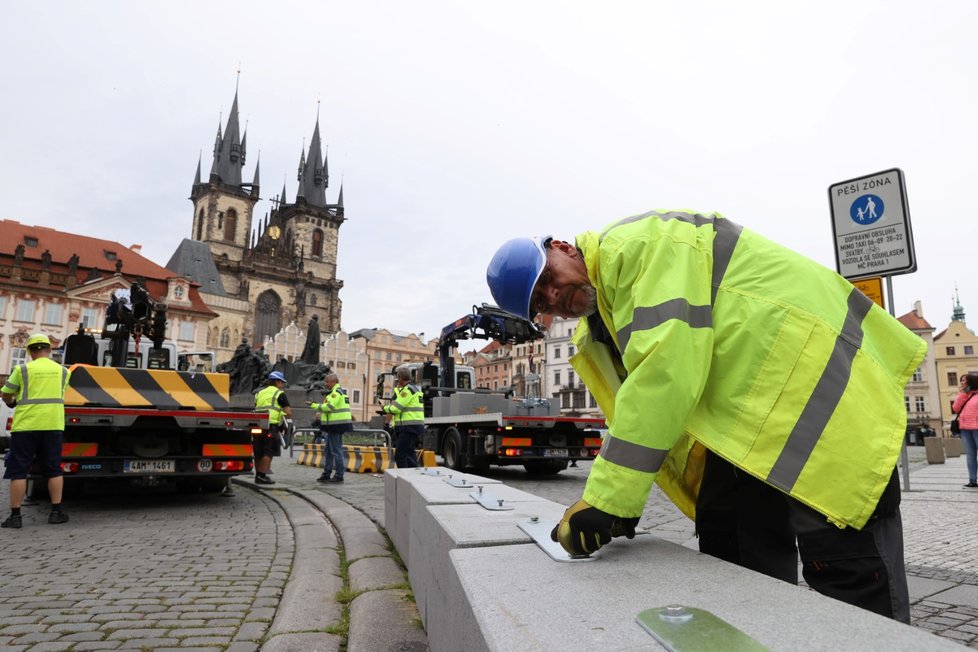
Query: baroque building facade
{"x": 262, "y": 274}
{"x": 52, "y": 282}
{"x": 955, "y": 355}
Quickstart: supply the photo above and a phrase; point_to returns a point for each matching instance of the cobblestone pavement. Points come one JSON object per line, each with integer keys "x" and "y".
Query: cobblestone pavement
{"x": 150, "y": 571}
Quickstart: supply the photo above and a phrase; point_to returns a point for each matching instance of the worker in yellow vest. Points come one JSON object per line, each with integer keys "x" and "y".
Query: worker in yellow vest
{"x": 760, "y": 390}
{"x": 266, "y": 445}
{"x": 407, "y": 417}
{"x": 335, "y": 419}
{"x": 36, "y": 390}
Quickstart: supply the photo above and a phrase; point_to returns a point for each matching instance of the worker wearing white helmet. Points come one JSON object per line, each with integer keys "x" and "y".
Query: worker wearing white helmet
{"x": 36, "y": 390}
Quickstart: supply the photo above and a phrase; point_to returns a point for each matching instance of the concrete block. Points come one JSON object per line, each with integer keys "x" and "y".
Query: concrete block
{"x": 415, "y": 487}
{"x": 443, "y": 528}
{"x": 934, "y": 448}
{"x": 514, "y": 592}
{"x": 953, "y": 447}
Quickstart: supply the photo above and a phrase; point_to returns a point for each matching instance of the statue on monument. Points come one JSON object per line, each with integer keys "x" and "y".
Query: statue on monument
{"x": 310, "y": 353}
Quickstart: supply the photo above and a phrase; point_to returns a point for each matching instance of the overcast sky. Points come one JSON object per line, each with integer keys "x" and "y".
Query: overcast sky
{"x": 457, "y": 125}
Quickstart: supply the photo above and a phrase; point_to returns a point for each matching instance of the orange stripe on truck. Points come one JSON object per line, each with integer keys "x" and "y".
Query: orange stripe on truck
{"x": 79, "y": 450}
{"x": 227, "y": 450}
{"x": 517, "y": 441}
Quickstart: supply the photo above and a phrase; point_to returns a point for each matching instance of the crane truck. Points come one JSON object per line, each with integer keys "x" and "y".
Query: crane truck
{"x": 474, "y": 427}
{"x": 129, "y": 414}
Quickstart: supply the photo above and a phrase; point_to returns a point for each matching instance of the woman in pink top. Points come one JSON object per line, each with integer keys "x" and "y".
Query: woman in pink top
{"x": 967, "y": 412}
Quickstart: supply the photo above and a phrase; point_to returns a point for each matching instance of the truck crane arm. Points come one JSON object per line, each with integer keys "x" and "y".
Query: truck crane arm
{"x": 485, "y": 322}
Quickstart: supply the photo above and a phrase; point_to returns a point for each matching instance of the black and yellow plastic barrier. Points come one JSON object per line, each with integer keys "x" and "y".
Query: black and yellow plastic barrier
{"x": 359, "y": 459}
{"x": 156, "y": 388}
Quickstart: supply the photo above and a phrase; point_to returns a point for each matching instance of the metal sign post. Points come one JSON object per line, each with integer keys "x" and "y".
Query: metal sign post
{"x": 871, "y": 229}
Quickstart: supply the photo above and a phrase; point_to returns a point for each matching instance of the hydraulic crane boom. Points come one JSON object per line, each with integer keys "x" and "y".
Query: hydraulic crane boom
{"x": 486, "y": 323}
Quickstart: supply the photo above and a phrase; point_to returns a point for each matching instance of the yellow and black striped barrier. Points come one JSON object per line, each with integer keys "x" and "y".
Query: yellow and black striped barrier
{"x": 360, "y": 459}
{"x": 153, "y": 388}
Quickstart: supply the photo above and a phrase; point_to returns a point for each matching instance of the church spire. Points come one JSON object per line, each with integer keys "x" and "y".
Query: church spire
{"x": 958, "y": 314}
{"x": 339, "y": 202}
{"x": 197, "y": 176}
{"x": 313, "y": 178}
{"x": 229, "y": 149}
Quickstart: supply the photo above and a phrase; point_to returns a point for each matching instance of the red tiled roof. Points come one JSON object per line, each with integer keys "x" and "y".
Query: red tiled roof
{"x": 914, "y": 322}
{"x": 91, "y": 255}
{"x": 91, "y": 251}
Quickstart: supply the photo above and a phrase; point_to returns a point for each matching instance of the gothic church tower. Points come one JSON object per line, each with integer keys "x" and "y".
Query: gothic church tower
{"x": 284, "y": 266}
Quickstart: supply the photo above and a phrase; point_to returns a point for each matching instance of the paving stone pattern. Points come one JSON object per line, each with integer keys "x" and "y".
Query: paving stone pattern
{"x": 146, "y": 571}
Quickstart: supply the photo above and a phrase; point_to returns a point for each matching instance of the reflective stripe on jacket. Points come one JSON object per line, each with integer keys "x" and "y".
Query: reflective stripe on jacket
{"x": 266, "y": 400}
{"x": 39, "y": 386}
{"x": 407, "y": 406}
{"x": 335, "y": 408}
{"x": 732, "y": 342}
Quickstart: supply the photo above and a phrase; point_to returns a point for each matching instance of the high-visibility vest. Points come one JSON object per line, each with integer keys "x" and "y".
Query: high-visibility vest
{"x": 407, "y": 406}
{"x": 335, "y": 408}
{"x": 709, "y": 335}
{"x": 266, "y": 400}
{"x": 39, "y": 386}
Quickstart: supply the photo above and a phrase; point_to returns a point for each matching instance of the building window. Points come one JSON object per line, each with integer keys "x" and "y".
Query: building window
{"x": 110, "y": 255}
{"x": 556, "y": 353}
{"x": 918, "y": 375}
{"x": 25, "y": 310}
{"x": 969, "y": 350}
{"x": 52, "y": 314}
{"x": 90, "y": 317}
{"x": 18, "y": 356}
{"x": 919, "y": 403}
{"x": 570, "y": 350}
{"x": 30, "y": 241}
{"x": 356, "y": 396}
{"x": 565, "y": 400}
{"x": 230, "y": 224}
{"x": 591, "y": 402}
{"x": 949, "y": 350}
{"x": 200, "y": 225}
{"x": 225, "y": 338}
{"x": 570, "y": 379}
{"x": 187, "y": 330}
{"x": 557, "y": 378}
{"x": 317, "y": 242}
{"x": 906, "y": 403}
{"x": 952, "y": 378}
{"x": 3, "y": 306}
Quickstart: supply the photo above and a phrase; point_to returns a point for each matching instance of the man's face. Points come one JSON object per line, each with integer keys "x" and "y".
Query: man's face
{"x": 564, "y": 288}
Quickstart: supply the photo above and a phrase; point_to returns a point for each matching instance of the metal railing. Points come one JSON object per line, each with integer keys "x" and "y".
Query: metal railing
{"x": 366, "y": 437}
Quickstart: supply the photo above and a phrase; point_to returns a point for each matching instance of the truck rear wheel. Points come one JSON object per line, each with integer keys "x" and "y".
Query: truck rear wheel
{"x": 451, "y": 449}
{"x": 545, "y": 467}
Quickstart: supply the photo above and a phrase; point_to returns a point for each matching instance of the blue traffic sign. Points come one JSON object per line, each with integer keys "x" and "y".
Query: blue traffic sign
{"x": 866, "y": 209}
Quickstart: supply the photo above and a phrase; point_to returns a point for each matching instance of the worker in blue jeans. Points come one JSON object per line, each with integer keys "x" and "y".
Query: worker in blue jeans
{"x": 336, "y": 420}
{"x": 407, "y": 415}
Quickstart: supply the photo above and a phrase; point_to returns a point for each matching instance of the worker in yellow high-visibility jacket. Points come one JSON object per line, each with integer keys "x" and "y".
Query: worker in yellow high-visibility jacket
{"x": 407, "y": 414}
{"x": 336, "y": 419}
{"x": 36, "y": 391}
{"x": 762, "y": 391}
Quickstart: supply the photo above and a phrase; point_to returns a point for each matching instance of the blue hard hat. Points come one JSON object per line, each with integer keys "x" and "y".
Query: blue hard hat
{"x": 277, "y": 375}
{"x": 514, "y": 271}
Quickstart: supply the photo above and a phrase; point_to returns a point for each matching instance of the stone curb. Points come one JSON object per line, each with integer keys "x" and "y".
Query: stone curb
{"x": 309, "y": 604}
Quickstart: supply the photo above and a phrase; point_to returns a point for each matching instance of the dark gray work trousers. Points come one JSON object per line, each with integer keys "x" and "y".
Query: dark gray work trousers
{"x": 749, "y": 523}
